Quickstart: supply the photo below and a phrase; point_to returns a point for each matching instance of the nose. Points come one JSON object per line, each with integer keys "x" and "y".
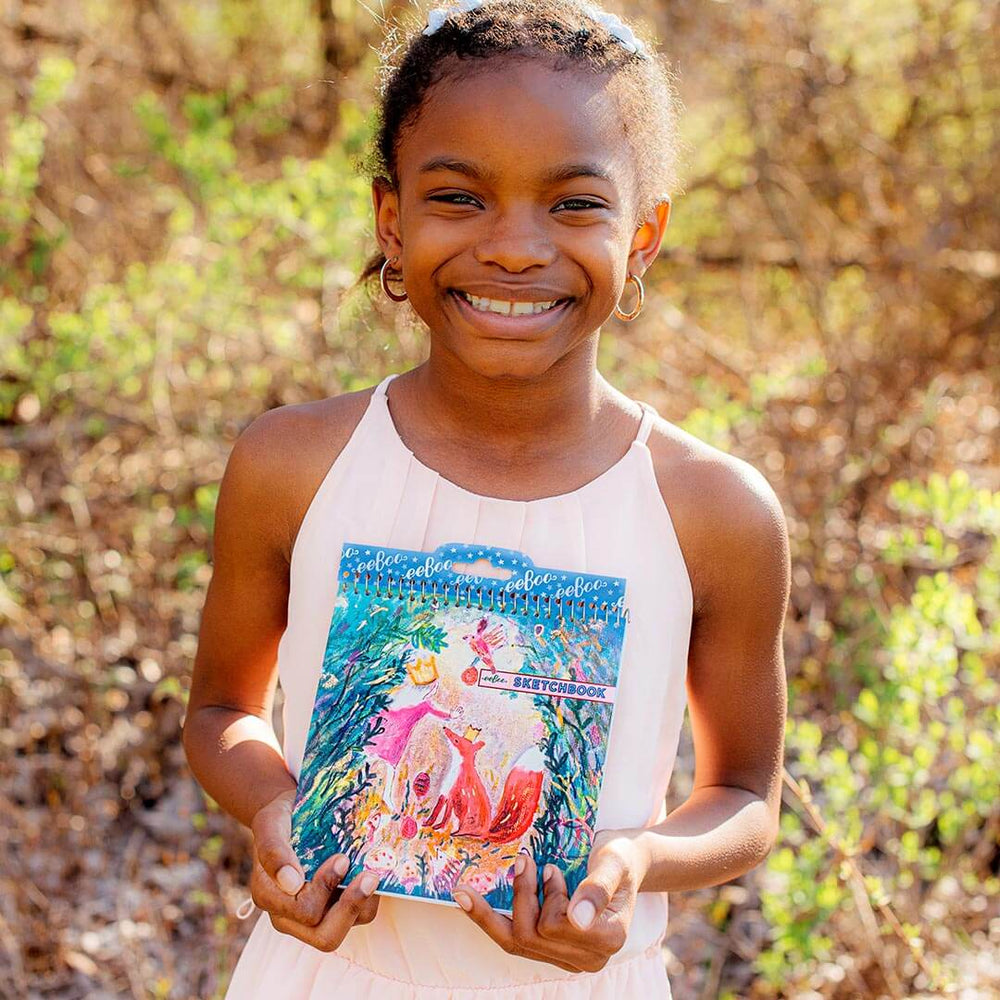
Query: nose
{"x": 515, "y": 242}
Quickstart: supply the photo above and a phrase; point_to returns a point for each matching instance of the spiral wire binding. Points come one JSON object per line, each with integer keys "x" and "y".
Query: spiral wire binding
{"x": 465, "y": 593}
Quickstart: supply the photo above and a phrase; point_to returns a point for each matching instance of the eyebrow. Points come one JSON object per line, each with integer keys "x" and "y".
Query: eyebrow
{"x": 564, "y": 172}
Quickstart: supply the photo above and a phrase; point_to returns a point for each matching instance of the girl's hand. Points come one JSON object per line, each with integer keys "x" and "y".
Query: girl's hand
{"x": 301, "y": 908}
{"x": 579, "y": 935}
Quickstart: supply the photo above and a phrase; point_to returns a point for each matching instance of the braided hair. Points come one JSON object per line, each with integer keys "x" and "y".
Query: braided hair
{"x": 561, "y": 31}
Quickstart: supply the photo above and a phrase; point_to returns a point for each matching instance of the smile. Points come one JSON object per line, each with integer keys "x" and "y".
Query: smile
{"x": 504, "y": 307}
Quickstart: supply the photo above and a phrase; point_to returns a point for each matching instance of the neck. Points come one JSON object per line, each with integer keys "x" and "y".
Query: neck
{"x": 570, "y": 402}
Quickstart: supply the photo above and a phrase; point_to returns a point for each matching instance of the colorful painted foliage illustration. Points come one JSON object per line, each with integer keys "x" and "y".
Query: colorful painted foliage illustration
{"x": 450, "y": 729}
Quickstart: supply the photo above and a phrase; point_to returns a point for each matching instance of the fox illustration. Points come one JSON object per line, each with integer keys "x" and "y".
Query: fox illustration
{"x": 464, "y": 797}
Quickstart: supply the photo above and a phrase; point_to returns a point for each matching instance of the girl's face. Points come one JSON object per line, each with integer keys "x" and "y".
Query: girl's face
{"x": 516, "y": 185}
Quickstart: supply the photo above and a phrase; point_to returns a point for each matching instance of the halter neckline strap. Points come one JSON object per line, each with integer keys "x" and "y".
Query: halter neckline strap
{"x": 641, "y": 436}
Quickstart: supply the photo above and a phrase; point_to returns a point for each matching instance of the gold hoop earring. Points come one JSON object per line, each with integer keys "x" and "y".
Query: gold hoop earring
{"x": 628, "y": 317}
{"x": 383, "y": 282}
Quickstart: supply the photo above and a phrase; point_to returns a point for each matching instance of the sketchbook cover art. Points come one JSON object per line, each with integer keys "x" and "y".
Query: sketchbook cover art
{"x": 458, "y": 718}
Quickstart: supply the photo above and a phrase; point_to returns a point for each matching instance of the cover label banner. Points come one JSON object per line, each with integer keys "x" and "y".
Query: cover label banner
{"x": 555, "y": 687}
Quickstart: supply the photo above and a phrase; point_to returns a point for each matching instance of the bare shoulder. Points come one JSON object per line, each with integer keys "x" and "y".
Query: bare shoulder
{"x": 281, "y": 457}
{"x": 729, "y": 521}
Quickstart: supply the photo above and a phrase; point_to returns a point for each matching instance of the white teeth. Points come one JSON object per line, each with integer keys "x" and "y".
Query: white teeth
{"x": 506, "y": 308}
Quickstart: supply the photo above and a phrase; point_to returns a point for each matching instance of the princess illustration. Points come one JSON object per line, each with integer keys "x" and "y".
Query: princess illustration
{"x": 399, "y": 718}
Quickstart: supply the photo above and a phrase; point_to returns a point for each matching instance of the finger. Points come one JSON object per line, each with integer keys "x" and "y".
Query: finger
{"x": 564, "y": 954}
{"x": 311, "y": 902}
{"x": 595, "y": 892}
{"x": 368, "y": 911}
{"x": 525, "y": 908}
{"x": 600, "y": 938}
{"x": 272, "y": 832}
{"x": 552, "y": 921}
{"x": 337, "y": 921}
{"x": 354, "y": 906}
{"x": 606, "y": 930}
{"x": 314, "y": 898}
{"x": 496, "y": 925}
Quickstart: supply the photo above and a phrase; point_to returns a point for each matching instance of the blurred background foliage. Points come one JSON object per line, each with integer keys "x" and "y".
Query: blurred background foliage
{"x": 181, "y": 221}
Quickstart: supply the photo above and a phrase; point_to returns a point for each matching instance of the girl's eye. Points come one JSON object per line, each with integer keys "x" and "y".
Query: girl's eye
{"x": 458, "y": 198}
{"x": 580, "y": 203}
{"x": 450, "y": 198}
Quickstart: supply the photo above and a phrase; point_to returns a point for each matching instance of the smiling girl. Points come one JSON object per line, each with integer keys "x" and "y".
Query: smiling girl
{"x": 523, "y": 160}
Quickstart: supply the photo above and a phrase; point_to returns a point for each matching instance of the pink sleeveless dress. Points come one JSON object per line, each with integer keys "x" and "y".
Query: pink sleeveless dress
{"x": 617, "y": 524}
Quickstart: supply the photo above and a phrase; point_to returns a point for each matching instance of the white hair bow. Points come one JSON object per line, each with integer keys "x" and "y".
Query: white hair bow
{"x": 439, "y": 15}
{"x": 617, "y": 28}
{"x": 611, "y": 22}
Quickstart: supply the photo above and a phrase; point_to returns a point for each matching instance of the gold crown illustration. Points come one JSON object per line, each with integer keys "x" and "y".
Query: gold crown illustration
{"x": 423, "y": 671}
{"x": 471, "y": 733}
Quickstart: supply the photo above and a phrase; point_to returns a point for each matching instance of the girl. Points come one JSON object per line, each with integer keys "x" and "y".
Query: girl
{"x": 523, "y": 154}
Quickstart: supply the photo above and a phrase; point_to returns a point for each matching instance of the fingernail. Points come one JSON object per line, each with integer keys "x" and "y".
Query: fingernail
{"x": 549, "y": 871}
{"x": 519, "y": 864}
{"x": 463, "y": 899}
{"x": 289, "y": 879}
{"x": 340, "y": 866}
{"x": 583, "y": 914}
{"x": 368, "y": 883}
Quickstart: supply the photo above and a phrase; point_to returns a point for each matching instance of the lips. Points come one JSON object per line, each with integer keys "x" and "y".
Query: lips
{"x": 505, "y": 325}
{"x": 505, "y": 305}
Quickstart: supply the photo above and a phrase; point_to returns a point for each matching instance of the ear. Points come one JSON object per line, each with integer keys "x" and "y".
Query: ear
{"x": 648, "y": 237}
{"x": 385, "y": 201}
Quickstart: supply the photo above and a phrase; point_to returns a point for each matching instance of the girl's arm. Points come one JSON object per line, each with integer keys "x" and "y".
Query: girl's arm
{"x": 737, "y": 702}
{"x": 228, "y": 737}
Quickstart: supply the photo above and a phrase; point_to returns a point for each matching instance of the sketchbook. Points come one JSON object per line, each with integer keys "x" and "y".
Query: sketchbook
{"x": 463, "y": 713}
